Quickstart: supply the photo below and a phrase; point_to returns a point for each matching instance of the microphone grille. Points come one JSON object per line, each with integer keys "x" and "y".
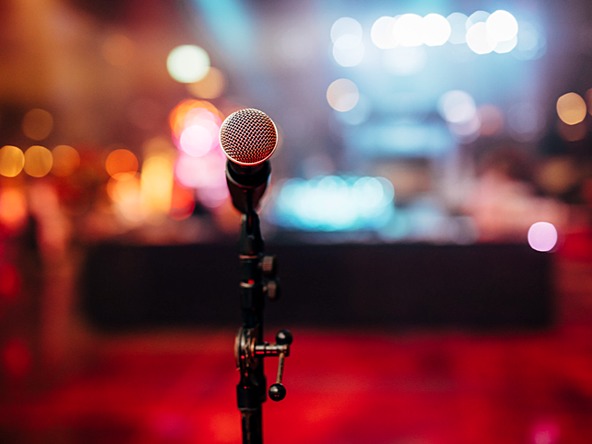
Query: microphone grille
{"x": 248, "y": 137}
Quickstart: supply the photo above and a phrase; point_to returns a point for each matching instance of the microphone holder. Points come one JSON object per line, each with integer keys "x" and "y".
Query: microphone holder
{"x": 258, "y": 281}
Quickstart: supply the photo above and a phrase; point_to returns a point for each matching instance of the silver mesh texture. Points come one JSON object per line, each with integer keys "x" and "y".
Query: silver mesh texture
{"x": 248, "y": 136}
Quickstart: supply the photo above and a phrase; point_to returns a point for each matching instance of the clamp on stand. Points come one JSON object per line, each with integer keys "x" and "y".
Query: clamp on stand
{"x": 258, "y": 281}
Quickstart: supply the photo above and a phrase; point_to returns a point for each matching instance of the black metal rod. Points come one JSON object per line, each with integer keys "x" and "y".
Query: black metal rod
{"x": 251, "y": 389}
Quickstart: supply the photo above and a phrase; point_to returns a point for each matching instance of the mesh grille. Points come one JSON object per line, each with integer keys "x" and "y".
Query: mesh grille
{"x": 248, "y": 136}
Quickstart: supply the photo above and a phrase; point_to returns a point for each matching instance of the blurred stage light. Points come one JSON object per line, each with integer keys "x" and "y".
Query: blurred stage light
{"x": 124, "y": 191}
{"x": 334, "y": 203}
{"x": 195, "y": 126}
{"x": 571, "y": 108}
{"x": 38, "y": 161}
{"x": 436, "y": 30}
{"x": 192, "y": 112}
{"x": 188, "y": 63}
{"x": 121, "y": 161}
{"x": 478, "y": 40}
{"x": 481, "y": 31}
{"x": 156, "y": 183}
{"x": 346, "y": 26}
{"x": 458, "y": 28}
{"x": 37, "y": 124}
{"x": 13, "y": 208}
{"x": 198, "y": 139}
{"x": 348, "y": 51}
{"x": 65, "y": 160}
{"x": 342, "y": 95}
{"x": 457, "y": 107}
{"x": 408, "y": 30}
{"x": 502, "y": 26}
{"x": 381, "y": 32}
{"x": 12, "y": 161}
{"x": 542, "y": 236}
{"x": 348, "y": 47}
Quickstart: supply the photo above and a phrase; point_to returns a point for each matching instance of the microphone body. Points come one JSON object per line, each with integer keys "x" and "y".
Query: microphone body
{"x": 248, "y": 137}
{"x": 247, "y": 184}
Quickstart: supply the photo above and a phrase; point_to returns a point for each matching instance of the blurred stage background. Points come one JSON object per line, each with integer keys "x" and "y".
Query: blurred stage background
{"x": 430, "y": 204}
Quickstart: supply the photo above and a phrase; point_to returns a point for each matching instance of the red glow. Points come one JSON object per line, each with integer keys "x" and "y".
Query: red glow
{"x": 182, "y": 203}
{"x": 10, "y": 281}
{"x": 16, "y": 358}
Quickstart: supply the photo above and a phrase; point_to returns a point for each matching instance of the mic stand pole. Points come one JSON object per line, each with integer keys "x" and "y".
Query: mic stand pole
{"x": 258, "y": 279}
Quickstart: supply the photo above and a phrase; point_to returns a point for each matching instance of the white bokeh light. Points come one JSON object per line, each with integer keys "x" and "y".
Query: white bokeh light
{"x": 381, "y": 32}
{"x": 408, "y": 30}
{"x": 502, "y": 26}
{"x": 436, "y": 30}
{"x": 542, "y": 236}
{"x": 188, "y": 63}
{"x": 342, "y": 95}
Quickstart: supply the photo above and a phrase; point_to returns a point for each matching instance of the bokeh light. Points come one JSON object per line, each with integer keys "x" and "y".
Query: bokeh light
{"x": 502, "y": 26}
{"x": 13, "y": 207}
{"x": 342, "y": 95}
{"x": 436, "y": 30}
{"x": 408, "y": 30}
{"x": 38, "y": 161}
{"x": 12, "y": 161}
{"x": 66, "y": 160}
{"x": 200, "y": 165}
{"x": 478, "y": 40}
{"x": 571, "y": 108}
{"x": 542, "y": 236}
{"x": 156, "y": 183}
{"x": 182, "y": 202}
{"x": 346, "y": 26}
{"x": 381, "y": 32}
{"x": 348, "y": 48}
{"x": 457, "y": 107}
{"x": 458, "y": 29}
{"x": 37, "y": 124}
{"x": 125, "y": 192}
{"x": 334, "y": 203}
{"x": 121, "y": 161}
{"x": 348, "y": 51}
{"x": 199, "y": 138}
{"x": 191, "y": 112}
{"x": 188, "y": 63}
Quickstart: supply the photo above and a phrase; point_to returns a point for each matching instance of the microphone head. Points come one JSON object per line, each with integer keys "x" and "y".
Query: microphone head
{"x": 248, "y": 137}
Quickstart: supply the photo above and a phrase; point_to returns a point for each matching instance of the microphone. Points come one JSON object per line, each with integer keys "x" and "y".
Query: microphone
{"x": 248, "y": 137}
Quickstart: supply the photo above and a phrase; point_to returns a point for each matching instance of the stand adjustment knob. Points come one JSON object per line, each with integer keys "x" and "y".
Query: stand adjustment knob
{"x": 283, "y": 339}
{"x": 273, "y": 289}
{"x": 269, "y": 265}
{"x": 277, "y": 392}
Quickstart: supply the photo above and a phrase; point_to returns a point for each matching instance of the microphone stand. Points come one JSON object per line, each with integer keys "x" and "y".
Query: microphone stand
{"x": 258, "y": 279}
